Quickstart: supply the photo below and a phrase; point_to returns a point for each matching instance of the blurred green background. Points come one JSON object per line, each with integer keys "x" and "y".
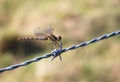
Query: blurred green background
{"x": 76, "y": 21}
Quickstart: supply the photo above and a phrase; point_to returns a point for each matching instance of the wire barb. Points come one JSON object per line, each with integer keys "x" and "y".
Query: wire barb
{"x": 58, "y": 52}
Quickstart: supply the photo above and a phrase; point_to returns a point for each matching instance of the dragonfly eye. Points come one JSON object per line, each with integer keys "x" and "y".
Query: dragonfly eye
{"x": 59, "y": 38}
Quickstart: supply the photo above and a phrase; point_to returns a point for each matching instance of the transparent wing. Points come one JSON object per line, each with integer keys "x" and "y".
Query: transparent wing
{"x": 49, "y": 30}
{"x": 38, "y": 32}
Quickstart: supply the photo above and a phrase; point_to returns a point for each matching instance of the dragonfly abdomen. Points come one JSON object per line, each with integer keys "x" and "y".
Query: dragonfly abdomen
{"x": 32, "y": 38}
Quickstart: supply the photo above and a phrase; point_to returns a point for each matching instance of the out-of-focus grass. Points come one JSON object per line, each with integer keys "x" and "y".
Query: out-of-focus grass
{"x": 76, "y": 21}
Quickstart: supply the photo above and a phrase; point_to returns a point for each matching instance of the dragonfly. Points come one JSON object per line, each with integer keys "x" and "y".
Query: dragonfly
{"x": 45, "y": 35}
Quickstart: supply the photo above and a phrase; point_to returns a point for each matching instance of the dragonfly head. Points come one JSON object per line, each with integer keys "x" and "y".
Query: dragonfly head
{"x": 59, "y": 38}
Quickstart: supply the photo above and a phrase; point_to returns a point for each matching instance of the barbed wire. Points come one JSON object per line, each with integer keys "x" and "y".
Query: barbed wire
{"x": 58, "y": 52}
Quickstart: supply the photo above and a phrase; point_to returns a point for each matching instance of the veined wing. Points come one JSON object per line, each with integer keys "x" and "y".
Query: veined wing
{"x": 38, "y": 32}
{"x": 49, "y": 30}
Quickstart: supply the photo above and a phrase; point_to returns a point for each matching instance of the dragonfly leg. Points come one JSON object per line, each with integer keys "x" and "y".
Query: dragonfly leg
{"x": 51, "y": 46}
{"x": 57, "y": 44}
{"x": 54, "y": 58}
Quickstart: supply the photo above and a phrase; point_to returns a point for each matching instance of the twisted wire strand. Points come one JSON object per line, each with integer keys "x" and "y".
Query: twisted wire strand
{"x": 58, "y": 52}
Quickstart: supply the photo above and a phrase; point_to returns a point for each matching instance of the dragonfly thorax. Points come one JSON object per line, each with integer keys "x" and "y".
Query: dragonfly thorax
{"x": 54, "y": 38}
